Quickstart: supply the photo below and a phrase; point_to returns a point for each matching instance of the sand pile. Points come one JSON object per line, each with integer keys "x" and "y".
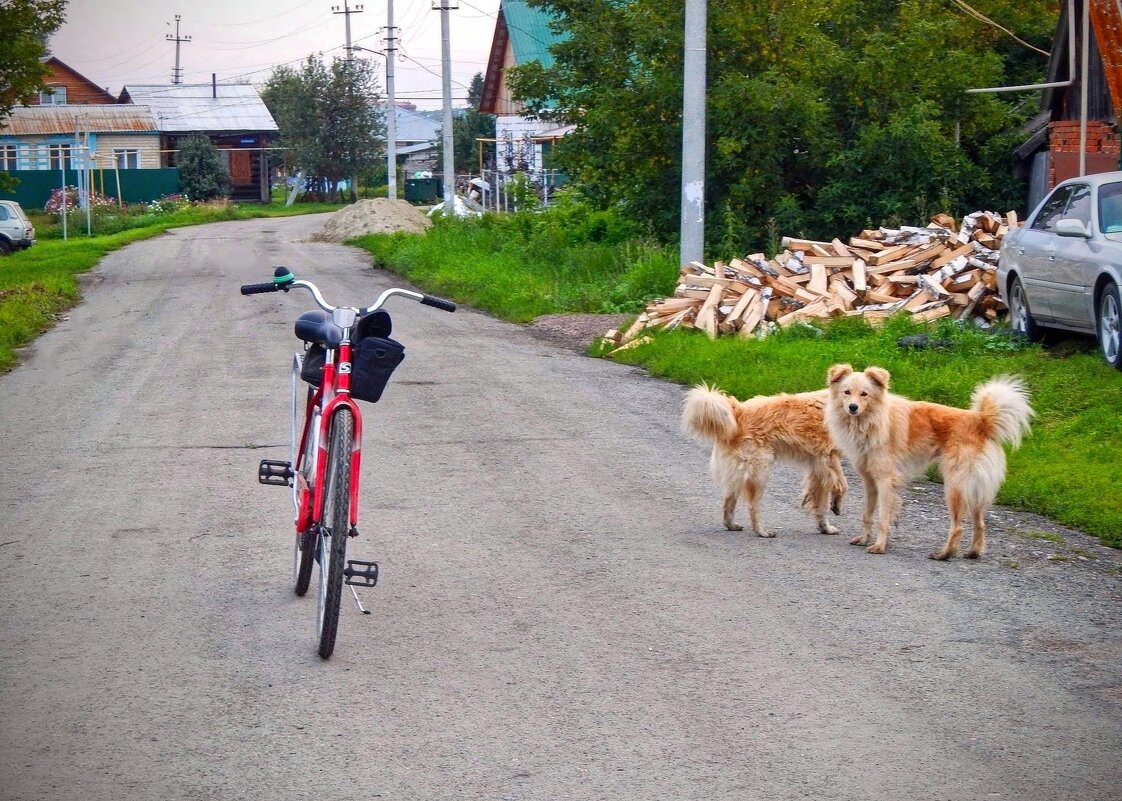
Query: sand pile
{"x": 377, "y": 216}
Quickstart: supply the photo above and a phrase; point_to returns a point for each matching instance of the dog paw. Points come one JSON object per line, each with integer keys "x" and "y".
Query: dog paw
{"x": 734, "y": 527}
{"x": 860, "y": 539}
{"x": 767, "y": 535}
{"x": 972, "y": 555}
{"x": 940, "y": 556}
{"x": 826, "y": 528}
{"x": 876, "y": 547}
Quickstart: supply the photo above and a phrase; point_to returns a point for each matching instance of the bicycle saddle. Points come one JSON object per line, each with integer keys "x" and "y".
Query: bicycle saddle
{"x": 317, "y": 327}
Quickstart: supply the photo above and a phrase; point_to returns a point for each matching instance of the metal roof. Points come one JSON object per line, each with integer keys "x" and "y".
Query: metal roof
{"x": 414, "y": 127}
{"x": 96, "y": 118}
{"x": 531, "y": 35}
{"x": 184, "y": 108}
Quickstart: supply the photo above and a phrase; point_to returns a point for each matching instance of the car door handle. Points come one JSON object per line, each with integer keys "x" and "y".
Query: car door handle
{"x": 1020, "y": 251}
{"x": 1051, "y": 255}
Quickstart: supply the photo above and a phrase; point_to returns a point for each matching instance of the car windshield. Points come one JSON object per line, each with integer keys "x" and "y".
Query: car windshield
{"x": 1110, "y": 208}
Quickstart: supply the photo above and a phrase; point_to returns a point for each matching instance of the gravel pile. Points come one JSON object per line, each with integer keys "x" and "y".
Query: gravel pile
{"x": 377, "y": 216}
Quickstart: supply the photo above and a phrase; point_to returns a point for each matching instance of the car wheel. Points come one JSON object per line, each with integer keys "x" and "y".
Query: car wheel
{"x": 1020, "y": 319}
{"x": 5, "y": 247}
{"x": 1109, "y": 326}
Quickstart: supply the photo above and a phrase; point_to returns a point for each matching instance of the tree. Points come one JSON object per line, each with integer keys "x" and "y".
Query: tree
{"x": 202, "y": 176}
{"x": 329, "y": 120}
{"x": 24, "y": 26}
{"x": 470, "y": 126}
{"x": 820, "y": 113}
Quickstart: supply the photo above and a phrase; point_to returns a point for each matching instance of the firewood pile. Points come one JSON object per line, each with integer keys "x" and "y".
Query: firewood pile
{"x": 941, "y": 270}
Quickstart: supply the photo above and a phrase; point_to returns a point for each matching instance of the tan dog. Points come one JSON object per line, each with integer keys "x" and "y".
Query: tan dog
{"x": 889, "y": 439}
{"x": 749, "y": 436}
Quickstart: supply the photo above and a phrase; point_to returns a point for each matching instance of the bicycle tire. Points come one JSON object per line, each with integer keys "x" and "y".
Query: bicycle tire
{"x": 306, "y": 541}
{"x": 337, "y": 523}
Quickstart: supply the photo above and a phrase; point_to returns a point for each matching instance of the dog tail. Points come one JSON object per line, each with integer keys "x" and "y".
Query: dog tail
{"x": 708, "y": 415}
{"x": 1004, "y": 406}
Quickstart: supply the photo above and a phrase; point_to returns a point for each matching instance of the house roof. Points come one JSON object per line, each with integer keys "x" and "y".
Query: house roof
{"x": 61, "y": 65}
{"x": 185, "y": 108}
{"x": 96, "y": 118}
{"x": 526, "y": 32}
{"x": 1105, "y": 62}
{"x": 415, "y": 128}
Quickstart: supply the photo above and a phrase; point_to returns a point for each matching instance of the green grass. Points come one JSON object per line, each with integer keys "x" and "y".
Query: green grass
{"x": 521, "y": 266}
{"x": 1067, "y": 469}
{"x": 37, "y": 284}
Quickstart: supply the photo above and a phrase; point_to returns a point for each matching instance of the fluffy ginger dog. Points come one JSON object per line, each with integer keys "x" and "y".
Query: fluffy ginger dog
{"x": 889, "y": 438}
{"x": 748, "y": 436}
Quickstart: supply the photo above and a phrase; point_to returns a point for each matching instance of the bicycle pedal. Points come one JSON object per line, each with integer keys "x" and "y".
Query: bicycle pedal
{"x": 277, "y": 473}
{"x": 361, "y": 574}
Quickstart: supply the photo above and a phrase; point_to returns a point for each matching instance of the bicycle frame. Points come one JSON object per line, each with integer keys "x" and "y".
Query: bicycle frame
{"x": 332, "y": 394}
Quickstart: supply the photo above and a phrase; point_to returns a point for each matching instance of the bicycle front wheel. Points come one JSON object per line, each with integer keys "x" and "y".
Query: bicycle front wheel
{"x": 332, "y": 546}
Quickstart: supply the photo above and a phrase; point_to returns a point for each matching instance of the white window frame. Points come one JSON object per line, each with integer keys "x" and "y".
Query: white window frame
{"x": 55, "y": 97}
{"x": 61, "y": 155}
{"x": 123, "y": 155}
{"x": 9, "y": 157}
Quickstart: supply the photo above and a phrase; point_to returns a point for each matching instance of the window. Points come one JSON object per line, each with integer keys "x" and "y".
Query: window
{"x": 60, "y": 157}
{"x": 1079, "y": 208}
{"x": 7, "y": 157}
{"x": 55, "y": 96}
{"x": 1110, "y": 208}
{"x": 1052, "y": 210}
{"x": 3, "y": 213}
{"x": 126, "y": 158}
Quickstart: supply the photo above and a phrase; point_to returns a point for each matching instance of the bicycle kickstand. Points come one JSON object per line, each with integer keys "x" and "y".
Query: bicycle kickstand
{"x": 361, "y": 608}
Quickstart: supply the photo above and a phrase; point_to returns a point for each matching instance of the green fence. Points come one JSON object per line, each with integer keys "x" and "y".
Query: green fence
{"x": 137, "y": 186}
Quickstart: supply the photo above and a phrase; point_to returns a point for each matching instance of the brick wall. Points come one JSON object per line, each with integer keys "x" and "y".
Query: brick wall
{"x": 1104, "y": 148}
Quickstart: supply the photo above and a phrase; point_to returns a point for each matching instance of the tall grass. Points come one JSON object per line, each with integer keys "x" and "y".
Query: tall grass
{"x": 1068, "y": 469}
{"x": 524, "y": 265}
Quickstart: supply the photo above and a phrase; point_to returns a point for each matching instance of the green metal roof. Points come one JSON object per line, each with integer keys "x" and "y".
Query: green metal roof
{"x": 529, "y": 31}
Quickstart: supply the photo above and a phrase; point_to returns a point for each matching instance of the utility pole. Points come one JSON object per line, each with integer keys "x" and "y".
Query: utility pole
{"x": 446, "y": 75}
{"x": 347, "y": 11}
{"x": 391, "y": 106}
{"x": 692, "y": 228}
{"x": 177, "y": 73}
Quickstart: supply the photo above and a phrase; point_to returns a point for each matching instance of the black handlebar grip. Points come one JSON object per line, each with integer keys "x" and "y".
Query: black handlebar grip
{"x": 257, "y": 289}
{"x": 438, "y": 303}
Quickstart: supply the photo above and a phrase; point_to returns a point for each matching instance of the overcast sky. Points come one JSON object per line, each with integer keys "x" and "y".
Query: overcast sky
{"x": 117, "y": 42}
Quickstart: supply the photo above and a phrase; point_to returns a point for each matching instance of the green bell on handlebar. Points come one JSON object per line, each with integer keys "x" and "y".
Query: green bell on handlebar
{"x": 282, "y": 276}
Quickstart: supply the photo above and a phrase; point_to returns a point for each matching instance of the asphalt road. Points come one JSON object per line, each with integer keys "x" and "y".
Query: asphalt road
{"x": 560, "y": 615}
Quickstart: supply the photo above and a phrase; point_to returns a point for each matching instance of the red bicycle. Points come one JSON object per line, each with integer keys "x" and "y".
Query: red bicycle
{"x": 348, "y": 356}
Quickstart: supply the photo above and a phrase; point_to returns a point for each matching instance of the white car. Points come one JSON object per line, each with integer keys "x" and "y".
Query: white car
{"x": 1063, "y": 268}
{"x": 16, "y": 231}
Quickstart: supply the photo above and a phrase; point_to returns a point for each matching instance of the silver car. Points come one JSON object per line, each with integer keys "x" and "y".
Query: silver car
{"x": 1063, "y": 267}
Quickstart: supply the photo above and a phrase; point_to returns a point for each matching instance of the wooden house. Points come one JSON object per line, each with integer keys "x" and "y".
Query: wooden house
{"x": 233, "y": 116}
{"x": 522, "y": 34}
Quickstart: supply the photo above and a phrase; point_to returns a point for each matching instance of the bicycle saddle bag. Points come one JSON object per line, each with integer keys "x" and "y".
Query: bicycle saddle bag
{"x": 373, "y": 360}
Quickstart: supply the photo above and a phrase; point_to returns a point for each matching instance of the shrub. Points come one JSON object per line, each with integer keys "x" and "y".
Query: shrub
{"x": 202, "y": 175}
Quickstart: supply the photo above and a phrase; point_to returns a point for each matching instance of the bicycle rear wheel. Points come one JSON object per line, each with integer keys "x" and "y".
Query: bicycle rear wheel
{"x": 332, "y": 546}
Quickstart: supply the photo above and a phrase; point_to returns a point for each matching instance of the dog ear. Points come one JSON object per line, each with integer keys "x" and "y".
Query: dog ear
{"x": 878, "y": 375}
{"x": 838, "y": 372}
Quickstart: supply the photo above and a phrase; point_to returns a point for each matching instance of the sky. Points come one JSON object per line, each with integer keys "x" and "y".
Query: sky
{"x": 118, "y": 42}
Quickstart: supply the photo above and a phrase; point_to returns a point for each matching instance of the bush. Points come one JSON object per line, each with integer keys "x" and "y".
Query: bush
{"x": 202, "y": 175}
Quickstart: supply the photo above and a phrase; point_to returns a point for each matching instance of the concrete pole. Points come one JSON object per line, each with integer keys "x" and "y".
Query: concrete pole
{"x": 446, "y": 81}
{"x": 692, "y": 229}
{"x": 391, "y": 107}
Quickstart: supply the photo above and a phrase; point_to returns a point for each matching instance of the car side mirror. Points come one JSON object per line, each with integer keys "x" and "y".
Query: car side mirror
{"x": 1073, "y": 227}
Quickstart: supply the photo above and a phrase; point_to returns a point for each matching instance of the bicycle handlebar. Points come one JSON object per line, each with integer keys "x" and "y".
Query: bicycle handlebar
{"x": 283, "y": 280}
